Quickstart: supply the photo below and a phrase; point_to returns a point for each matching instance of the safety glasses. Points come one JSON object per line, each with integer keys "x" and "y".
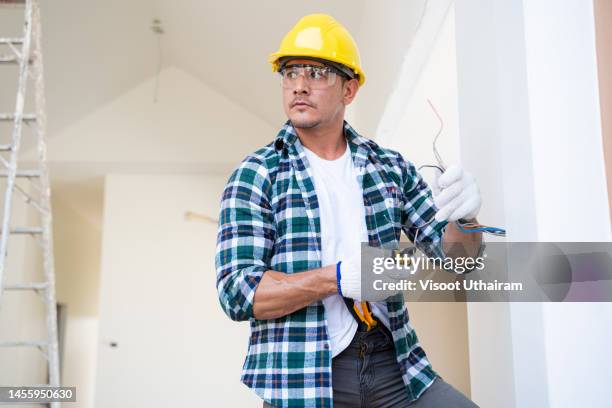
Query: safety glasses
{"x": 317, "y": 77}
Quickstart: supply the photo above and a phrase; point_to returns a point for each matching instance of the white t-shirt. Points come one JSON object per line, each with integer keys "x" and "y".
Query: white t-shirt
{"x": 343, "y": 228}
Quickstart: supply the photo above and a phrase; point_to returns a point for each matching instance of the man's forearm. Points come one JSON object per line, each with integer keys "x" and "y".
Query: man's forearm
{"x": 460, "y": 244}
{"x": 279, "y": 294}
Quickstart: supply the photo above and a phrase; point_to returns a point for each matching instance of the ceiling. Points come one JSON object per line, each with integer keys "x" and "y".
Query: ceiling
{"x": 95, "y": 51}
{"x": 231, "y": 42}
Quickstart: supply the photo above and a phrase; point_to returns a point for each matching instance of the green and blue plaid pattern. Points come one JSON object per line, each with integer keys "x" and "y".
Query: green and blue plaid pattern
{"x": 269, "y": 219}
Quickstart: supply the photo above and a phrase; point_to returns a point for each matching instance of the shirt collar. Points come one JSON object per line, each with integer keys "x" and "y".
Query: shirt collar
{"x": 287, "y": 136}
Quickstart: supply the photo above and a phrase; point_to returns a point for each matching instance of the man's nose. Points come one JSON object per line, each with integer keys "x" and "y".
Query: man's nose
{"x": 301, "y": 85}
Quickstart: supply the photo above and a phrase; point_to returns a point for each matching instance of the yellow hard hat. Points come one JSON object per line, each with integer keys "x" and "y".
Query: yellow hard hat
{"x": 320, "y": 36}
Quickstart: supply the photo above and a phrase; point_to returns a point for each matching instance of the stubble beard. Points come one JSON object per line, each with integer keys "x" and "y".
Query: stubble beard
{"x": 305, "y": 124}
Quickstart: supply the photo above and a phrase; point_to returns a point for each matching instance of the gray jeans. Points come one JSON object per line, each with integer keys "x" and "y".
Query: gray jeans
{"x": 372, "y": 379}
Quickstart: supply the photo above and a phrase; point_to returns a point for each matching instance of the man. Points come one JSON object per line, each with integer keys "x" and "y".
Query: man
{"x": 293, "y": 214}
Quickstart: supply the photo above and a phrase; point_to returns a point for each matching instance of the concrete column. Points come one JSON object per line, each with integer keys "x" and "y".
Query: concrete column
{"x": 530, "y": 131}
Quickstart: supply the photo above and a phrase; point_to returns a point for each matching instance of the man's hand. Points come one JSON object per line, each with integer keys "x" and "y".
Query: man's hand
{"x": 459, "y": 195}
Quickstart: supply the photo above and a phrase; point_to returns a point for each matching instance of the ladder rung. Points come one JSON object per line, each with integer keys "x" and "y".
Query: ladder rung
{"x": 26, "y": 230}
{"x": 8, "y": 59}
{"x": 12, "y": 2}
{"x": 13, "y": 40}
{"x": 23, "y": 344}
{"x": 22, "y": 173}
{"x": 12, "y": 59}
{"x": 27, "y": 286}
{"x": 9, "y": 117}
{"x": 6, "y": 147}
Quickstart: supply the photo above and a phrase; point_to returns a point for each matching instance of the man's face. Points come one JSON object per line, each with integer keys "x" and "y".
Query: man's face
{"x": 308, "y": 108}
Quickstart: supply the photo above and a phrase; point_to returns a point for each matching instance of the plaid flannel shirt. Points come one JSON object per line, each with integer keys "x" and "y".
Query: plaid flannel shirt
{"x": 269, "y": 219}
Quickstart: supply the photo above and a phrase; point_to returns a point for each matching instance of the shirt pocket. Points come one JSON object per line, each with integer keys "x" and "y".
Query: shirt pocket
{"x": 393, "y": 202}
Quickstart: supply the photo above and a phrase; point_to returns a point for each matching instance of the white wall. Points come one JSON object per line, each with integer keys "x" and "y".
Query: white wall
{"x": 158, "y": 299}
{"x": 79, "y": 362}
{"x": 492, "y": 119}
{"x": 77, "y": 235}
{"x": 529, "y": 118}
{"x": 386, "y": 32}
{"x": 566, "y": 128}
{"x": 184, "y": 131}
{"x": 417, "y": 124}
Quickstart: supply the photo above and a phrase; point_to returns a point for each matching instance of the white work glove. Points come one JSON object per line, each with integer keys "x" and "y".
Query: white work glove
{"x": 348, "y": 278}
{"x": 459, "y": 195}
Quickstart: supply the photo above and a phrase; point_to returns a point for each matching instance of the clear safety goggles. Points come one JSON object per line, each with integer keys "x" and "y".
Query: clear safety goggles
{"x": 317, "y": 77}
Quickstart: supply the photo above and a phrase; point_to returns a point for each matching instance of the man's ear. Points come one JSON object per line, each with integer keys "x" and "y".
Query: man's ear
{"x": 349, "y": 90}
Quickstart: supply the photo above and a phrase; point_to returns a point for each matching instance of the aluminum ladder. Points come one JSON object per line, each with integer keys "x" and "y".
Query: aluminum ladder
{"x": 25, "y": 52}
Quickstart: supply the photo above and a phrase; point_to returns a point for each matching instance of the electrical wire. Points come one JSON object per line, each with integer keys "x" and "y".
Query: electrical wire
{"x": 462, "y": 225}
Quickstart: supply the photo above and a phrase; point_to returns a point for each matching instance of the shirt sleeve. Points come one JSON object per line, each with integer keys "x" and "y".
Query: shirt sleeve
{"x": 245, "y": 239}
{"x": 418, "y": 209}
